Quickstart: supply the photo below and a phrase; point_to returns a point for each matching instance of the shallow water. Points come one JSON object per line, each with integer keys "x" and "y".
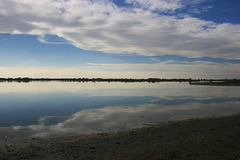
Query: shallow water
{"x": 49, "y": 109}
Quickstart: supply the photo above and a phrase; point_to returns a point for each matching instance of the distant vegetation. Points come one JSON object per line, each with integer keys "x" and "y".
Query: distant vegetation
{"x": 228, "y": 82}
{"x": 218, "y": 82}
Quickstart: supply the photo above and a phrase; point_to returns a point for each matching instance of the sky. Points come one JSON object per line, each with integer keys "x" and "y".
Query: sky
{"x": 120, "y": 38}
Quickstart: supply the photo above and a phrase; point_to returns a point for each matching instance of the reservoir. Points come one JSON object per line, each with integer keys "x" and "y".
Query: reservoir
{"x": 53, "y": 109}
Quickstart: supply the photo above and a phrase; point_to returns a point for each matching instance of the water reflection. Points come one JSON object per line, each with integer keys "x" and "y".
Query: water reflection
{"x": 83, "y": 110}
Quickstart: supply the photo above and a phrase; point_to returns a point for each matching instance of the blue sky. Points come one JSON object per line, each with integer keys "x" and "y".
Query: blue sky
{"x": 113, "y": 38}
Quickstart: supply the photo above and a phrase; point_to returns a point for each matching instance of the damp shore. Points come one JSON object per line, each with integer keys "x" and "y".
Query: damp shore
{"x": 206, "y": 138}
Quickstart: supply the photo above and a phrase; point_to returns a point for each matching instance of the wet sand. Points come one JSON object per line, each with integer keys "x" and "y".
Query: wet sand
{"x": 196, "y": 139}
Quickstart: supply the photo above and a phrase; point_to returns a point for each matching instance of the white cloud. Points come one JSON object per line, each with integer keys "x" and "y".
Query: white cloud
{"x": 55, "y": 40}
{"x": 162, "y": 5}
{"x": 199, "y": 10}
{"x": 171, "y": 69}
{"x": 167, "y": 69}
{"x": 155, "y": 59}
{"x": 76, "y": 72}
{"x": 103, "y": 26}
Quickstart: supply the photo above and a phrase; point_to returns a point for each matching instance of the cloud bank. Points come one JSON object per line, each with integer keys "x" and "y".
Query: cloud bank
{"x": 168, "y": 69}
{"x": 103, "y": 26}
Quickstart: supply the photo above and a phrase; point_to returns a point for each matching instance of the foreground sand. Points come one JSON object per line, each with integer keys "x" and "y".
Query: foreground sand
{"x": 203, "y": 139}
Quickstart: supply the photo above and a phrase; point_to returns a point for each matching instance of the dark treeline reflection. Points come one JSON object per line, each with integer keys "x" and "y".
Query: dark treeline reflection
{"x": 150, "y": 80}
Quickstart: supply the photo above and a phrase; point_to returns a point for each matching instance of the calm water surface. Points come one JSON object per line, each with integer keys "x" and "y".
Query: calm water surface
{"x": 47, "y": 109}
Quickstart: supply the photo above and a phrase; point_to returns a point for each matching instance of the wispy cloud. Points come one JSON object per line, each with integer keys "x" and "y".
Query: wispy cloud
{"x": 52, "y": 39}
{"x": 161, "y": 5}
{"x": 103, "y": 26}
{"x": 155, "y": 59}
{"x": 166, "y": 69}
{"x": 172, "y": 69}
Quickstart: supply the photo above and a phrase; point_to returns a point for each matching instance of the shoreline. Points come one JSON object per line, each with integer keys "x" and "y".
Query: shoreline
{"x": 231, "y": 82}
{"x": 206, "y": 138}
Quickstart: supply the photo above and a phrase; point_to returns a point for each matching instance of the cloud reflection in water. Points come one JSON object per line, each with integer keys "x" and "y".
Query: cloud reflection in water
{"x": 55, "y": 109}
{"x": 117, "y": 118}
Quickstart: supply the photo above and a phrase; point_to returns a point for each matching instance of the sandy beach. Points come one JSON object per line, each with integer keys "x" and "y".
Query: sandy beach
{"x": 208, "y": 138}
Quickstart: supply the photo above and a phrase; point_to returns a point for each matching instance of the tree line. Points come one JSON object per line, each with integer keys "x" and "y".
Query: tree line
{"x": 150, "y": 80}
